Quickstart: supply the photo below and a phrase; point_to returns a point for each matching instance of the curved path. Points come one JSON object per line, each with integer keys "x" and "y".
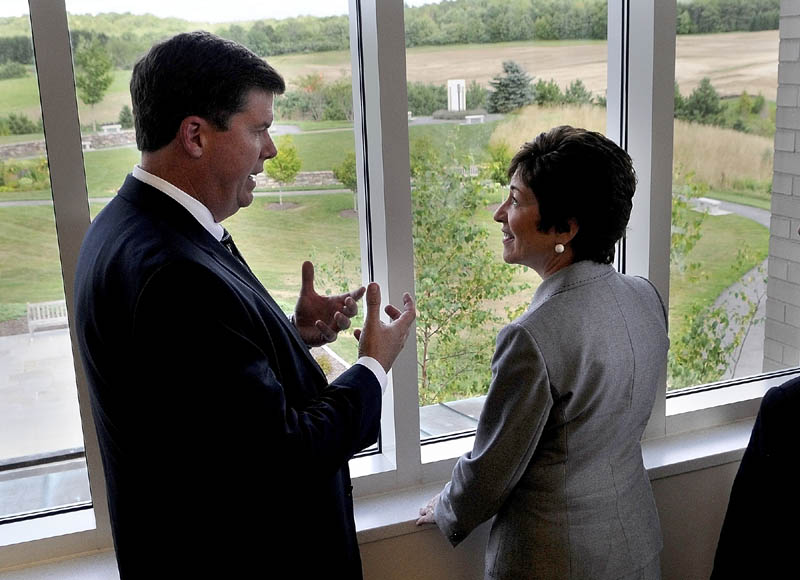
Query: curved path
{"x": 754, "y": 285}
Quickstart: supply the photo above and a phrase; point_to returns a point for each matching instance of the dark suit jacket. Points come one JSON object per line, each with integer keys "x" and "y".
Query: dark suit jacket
{"x": 225, "y": 450}
{"x": 759, "y": 534}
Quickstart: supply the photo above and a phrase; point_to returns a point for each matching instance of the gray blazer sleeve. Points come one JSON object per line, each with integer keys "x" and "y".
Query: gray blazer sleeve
{"x": 514, "y": 415}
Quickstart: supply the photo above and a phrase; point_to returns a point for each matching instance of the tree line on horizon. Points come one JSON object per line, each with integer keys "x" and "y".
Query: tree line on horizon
{"x": 126, "y": 36}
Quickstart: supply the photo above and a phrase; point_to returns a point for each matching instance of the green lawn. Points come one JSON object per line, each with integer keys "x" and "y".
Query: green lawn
{"x": 28, "y": 259}
{"x": 753, "y": 198}
{"x": 314, "y": 227}
{"x": 21, "y": 95}
{"x": 716, "y": 253}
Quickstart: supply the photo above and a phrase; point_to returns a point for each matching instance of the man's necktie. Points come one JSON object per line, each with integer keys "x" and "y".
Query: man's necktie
{"x": 227, "y": 241}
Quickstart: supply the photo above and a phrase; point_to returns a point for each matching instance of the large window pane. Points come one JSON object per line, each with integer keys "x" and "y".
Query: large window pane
{"x": 482, "y": 80}
{"x": 725, "y": 91}
{"x": 305, "y": 206}
{"x": 42, "y": 465}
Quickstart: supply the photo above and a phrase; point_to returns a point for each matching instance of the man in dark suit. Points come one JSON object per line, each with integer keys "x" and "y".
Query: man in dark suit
{"x": 759, "y": 536}
{"x": 225, "y": 449}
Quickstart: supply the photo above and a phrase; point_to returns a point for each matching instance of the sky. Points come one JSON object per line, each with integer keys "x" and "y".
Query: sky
{"x": 202, "y": 10}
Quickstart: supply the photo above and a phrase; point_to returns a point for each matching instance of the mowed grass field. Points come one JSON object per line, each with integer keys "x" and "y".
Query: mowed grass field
{"x": 735, "y": 62}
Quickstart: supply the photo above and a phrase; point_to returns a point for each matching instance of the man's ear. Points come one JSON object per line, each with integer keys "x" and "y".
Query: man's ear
{"x": 191, "y": 135}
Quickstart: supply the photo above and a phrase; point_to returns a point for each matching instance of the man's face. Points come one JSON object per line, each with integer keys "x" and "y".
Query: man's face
{"x": 237, "y": 154}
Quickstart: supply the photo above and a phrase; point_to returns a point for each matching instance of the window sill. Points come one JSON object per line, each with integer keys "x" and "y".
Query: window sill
{"x": 394, "y": 514}
{"x": 47, "y": 527}
{"x": 716, "y": 407}
{"x": 383, "y": 516}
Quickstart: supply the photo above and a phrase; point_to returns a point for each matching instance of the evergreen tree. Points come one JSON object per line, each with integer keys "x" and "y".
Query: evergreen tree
{"x": 703, "y": 105}
{"x": 547, "y": 92}
{"x": 578, "y": 94}
{"x": 512, "y": 89}
{"x": 125, "y": 117}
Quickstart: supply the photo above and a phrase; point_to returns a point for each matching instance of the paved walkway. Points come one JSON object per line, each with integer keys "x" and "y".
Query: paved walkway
{"x": 753, "y": 284}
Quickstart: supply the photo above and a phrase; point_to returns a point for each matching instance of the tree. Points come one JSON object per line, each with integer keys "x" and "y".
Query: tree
{"x": 512, "y": 89}
{"x": 125, "y": 117}
{"x": 425, "y": 98}
{"x": 313, "y": 86}
{"x": 703, "y": 105}
{"x": 547, "y": 92}
{"x": 284, "y": 167}
{"x": 457, "y": 276}
{"x": 680, "y": 103}
{"x": 345, "y": 172}
{"x": 500, "y": 156}
{"x": 93, "y": 76}
{"x": 578, "y": 94}
{"x": 476, "y": 95}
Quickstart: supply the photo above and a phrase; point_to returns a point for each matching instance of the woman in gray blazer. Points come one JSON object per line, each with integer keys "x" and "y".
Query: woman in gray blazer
{"x": 557, "y": 457}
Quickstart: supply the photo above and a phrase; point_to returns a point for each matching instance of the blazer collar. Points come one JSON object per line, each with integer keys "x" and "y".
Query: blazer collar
{"x": 572, "y": 276}
{"x": 164, "y": 208}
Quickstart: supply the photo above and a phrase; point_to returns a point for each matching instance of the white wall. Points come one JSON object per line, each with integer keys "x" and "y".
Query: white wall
{"x": 691, "y": 507}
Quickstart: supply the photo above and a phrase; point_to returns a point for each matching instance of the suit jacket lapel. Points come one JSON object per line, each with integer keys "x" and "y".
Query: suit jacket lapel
{"x": 171, "y": 212}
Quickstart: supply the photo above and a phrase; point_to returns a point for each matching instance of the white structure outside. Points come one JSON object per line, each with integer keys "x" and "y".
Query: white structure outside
{"x": 456, "y": 95}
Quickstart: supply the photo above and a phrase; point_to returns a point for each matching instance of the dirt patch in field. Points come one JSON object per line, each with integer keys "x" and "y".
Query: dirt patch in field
{"x": 734, "y": 61}
{"x": 348, "y": 213}
{"x": 275, "y": 206}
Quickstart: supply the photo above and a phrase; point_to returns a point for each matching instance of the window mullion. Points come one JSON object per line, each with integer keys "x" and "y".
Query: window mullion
{"x": 641, "y": 60}
{"x": 53, "y": 57}
{"x": 382, "y": 149}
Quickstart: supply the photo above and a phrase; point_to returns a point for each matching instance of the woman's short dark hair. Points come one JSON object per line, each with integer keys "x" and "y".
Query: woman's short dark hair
{"x": 195, "y": 73}
{"x": 581, "y": 175}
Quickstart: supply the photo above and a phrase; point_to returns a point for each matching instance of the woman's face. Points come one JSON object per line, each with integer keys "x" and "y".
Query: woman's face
{"x": 523, "y": 243}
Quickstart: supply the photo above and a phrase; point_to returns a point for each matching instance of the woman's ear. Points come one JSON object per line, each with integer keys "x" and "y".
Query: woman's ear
{"x": 191, "y": 135}
{"x": 566, "y": 236}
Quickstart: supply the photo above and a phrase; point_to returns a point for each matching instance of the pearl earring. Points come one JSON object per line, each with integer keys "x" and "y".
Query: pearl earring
{"x": 559, "y": 248}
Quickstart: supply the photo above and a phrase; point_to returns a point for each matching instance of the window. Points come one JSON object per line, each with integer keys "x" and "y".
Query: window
{"x": 481, "y": 81}
{"x": 726, "y": 74}
{"x": 305, "y": 201}
{"x": 42, "y": 463}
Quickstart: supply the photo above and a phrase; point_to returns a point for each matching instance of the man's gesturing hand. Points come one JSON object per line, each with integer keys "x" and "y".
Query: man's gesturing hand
{"x": 381, "y": 341}
{"x": 320, "y": 318}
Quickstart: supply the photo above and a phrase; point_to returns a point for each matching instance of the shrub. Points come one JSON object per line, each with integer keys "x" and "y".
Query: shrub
{"x": 547, "y": 93}
{"x": 24, "y": 175}
{"x": 425, "y": 98}
{"x": 20, "y": 124}
{"x": 125, "y": 117}
{"x": 13, "y": 70}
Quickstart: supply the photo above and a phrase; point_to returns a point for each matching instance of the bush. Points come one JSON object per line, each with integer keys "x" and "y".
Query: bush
{"x": 547, "y": 93}
{"x": 476, "y": 95}
{"x": 125, "y": 117}
{"x": 19, "y": 124}
{"x": 24, "y": 175}
{"x": 425, "y": 98}
{"x": 13, "y": 70}
{"x": 578, "y": 94}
